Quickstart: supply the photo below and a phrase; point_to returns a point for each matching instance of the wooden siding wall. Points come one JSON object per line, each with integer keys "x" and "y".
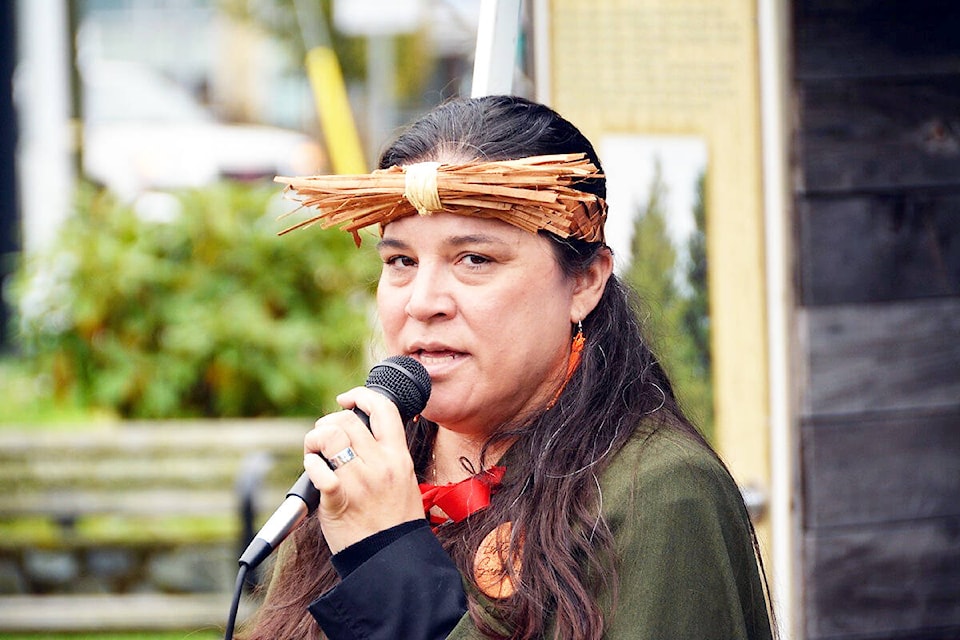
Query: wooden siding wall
{"x": 877, "y": 212}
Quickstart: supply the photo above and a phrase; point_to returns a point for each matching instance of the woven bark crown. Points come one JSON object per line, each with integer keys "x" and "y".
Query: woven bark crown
{"x": 537, "y": 193}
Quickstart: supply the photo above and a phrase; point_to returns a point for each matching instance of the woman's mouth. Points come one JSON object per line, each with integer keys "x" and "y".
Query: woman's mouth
{"x": 443, "y": 356}
{"x": 435, "y": 359}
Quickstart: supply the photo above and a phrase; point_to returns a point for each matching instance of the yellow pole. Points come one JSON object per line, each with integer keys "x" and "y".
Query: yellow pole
{"x": 333, "y": 110}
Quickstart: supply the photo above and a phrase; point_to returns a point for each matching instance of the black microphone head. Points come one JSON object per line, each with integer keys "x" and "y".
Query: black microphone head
{"x": 404, "y": 381}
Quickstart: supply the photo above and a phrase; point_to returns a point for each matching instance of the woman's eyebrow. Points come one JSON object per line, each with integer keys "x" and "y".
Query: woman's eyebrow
{"x": 456, "y": 241}
{"x": 478, "y": 238}
{"x": 390, "y": 243}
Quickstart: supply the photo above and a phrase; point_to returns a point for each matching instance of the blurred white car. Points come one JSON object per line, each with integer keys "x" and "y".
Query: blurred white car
{"x": 143, "y": 132}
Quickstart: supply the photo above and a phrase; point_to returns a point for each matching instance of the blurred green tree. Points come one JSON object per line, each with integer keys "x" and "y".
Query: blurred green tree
{"x": 204, "y": 313}
{"x": 674, "y": 298}
{"x": 696, "y": 315}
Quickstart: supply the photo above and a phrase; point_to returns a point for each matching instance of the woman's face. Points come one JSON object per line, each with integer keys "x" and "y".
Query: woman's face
{"x": 484, "y": 307}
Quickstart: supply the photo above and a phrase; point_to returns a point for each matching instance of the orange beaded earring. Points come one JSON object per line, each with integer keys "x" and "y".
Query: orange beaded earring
{"x": 576, "y": 351}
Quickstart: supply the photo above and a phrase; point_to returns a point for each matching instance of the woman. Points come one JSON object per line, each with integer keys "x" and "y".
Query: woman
{"x": 593, "y": 507}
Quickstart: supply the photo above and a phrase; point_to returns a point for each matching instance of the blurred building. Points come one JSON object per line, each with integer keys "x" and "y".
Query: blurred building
{"x": 140, "y": 95}
{"x": 833, "y": 232}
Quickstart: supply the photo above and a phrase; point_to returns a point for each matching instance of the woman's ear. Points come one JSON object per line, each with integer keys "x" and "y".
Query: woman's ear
{"x": 589, "y": 285}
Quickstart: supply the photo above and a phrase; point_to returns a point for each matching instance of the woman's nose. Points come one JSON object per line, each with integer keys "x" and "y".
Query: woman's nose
{"x": 430, "y": 294}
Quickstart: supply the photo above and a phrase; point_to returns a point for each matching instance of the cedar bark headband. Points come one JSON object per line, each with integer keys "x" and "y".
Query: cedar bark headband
{"x": 534, "y": 194}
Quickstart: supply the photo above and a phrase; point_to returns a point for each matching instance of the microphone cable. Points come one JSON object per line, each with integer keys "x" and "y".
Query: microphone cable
{"x": 235, "y": 605}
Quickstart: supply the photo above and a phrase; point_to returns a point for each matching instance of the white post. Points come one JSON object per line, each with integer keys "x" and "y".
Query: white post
{"x": 42, "y": 95}
{"x": 496, "y": 56}
{"x": 773, "y": 35}
{"x": 381, "y": 106}
{"x": 543, "y": 89}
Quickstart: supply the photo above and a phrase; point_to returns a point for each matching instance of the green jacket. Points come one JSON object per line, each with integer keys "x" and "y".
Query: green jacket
{"x": 687, "y": 569}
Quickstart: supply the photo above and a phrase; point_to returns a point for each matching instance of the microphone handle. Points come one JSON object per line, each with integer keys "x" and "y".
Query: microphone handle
{"x": 302, "y": 499}
{"x": 303, "y": 488}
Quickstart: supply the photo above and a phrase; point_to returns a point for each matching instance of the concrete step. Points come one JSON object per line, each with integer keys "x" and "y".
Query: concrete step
{"x": 144, "y": 468}
{"x": 79, "y": 502}
{"x": 133, "y": 612}
{"x": 163, "y": 437}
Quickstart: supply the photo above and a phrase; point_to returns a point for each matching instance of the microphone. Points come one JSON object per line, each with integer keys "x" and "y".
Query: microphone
{"x": 404, "y": 382}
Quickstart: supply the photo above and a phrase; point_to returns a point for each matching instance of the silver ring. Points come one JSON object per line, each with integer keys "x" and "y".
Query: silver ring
{"x": 341, "y": 458}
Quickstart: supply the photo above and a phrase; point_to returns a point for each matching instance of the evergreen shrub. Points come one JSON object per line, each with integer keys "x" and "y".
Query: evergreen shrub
{"x": 198, "y": 311}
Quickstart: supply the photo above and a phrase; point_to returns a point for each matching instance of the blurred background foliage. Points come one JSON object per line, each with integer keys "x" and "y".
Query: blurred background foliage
{"x": 194, "y": 310}
{"x": 672, "y": 283}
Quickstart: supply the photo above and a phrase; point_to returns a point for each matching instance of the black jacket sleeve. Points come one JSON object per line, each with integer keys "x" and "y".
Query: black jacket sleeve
{"x": 399, "y": 583}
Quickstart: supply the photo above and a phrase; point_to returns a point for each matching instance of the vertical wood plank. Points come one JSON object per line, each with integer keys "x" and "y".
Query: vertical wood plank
{"x": 884, "y": 581}
{"x": 879, "y": 133}
{"x": 906, "y": 246}
{"x": 864, "y": 38}
{"x": 870, "y": 469}
{"x": 881, "y": 356}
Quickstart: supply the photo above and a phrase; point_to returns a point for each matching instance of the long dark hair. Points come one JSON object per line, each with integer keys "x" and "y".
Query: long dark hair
{"x": 558, "y": 454}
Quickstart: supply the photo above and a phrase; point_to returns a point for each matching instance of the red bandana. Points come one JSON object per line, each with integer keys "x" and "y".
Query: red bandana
{"x": 459, "y": 499}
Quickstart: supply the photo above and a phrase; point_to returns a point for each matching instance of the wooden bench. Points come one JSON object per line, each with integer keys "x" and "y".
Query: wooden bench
{"x": 154, "y": 468}
{"x": 154, "y": 487}
{"x": 117, "y": 613}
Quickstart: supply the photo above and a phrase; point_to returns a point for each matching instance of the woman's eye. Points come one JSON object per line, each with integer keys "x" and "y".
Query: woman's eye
{"x": 473, "y": 260}
{"x": 399, "y": 261}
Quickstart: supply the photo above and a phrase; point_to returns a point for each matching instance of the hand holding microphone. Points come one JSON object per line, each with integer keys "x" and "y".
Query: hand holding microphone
{"x": 400, "y": 379}
{"x": 374, "y": 486}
